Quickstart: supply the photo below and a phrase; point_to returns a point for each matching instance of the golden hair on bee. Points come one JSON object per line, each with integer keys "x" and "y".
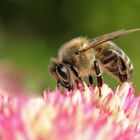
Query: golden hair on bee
{"x": 81, "y": 57}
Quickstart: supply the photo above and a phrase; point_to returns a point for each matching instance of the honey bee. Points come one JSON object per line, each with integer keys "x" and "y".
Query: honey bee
{"x": 81, "y": 57}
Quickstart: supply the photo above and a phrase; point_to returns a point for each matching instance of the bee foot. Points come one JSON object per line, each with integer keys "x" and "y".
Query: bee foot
{"x": 100, "y": 92}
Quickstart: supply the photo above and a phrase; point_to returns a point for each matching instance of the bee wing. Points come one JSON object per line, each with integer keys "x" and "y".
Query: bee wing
{"x": 106, "y": 37}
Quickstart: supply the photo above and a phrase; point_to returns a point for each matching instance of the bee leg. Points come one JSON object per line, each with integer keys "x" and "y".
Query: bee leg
{"x": 90, "y": 79}
{"x": 76, "y": 72}
{"x": 66, "y": 85}
{"x": 99, "y": 77}
{"x": 58, "y": 82}
{"x": 77, "y": 84}
{"x": 122, "y": 70}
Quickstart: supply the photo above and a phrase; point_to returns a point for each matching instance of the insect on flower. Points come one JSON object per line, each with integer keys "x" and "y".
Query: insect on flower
{"x": 81, "y": 57}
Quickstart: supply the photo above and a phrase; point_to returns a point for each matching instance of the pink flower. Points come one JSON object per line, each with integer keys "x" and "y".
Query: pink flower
{"x": 75, "y": 115}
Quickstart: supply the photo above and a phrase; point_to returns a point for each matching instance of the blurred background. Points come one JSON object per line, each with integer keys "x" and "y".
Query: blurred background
{"x": 32, "y": 31}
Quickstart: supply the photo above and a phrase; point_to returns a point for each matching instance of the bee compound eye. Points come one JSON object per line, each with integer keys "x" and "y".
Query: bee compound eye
{"x": 62, "y": 72}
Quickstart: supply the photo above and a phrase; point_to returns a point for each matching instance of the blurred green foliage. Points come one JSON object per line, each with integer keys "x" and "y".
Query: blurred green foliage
{"x": 31, "y": 31}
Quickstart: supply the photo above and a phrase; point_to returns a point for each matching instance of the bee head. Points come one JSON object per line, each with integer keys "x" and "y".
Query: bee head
{"x": 60, "y": 72}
